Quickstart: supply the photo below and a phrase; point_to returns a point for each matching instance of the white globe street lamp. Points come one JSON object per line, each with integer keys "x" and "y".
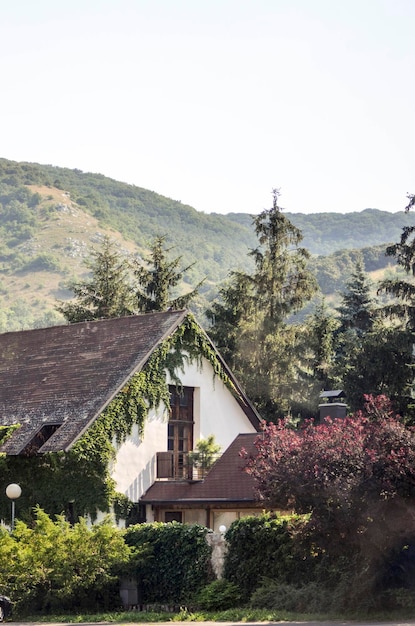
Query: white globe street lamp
{"x": 13, "y": 491}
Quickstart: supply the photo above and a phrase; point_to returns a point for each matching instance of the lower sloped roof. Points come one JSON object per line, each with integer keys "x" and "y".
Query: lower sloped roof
{"x": 226, "y": 482}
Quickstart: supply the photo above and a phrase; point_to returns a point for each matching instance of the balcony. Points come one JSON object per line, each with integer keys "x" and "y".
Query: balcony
{"x": 183, "y": 465}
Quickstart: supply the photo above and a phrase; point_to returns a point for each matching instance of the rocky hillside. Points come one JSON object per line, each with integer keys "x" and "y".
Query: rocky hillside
{"x": 51, "y": 217}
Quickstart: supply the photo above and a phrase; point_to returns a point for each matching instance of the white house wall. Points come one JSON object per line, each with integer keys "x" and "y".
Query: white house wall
{"x": 216, "y": 412}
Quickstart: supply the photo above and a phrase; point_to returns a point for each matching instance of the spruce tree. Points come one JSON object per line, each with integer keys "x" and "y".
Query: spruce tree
{"x": 225, "y": 315}
{"x": 356, "y": 319}
{"x": 356, "y": 311}
{"x": 107, "y": 293}
{"x": 283, "y": 284}
{"x": 263, "y": 344}
{"x": 158, "y": 278}
{"x": 403, "y": 291}
{"x": 319, "y": 343}
{"x": 372, "y": 355}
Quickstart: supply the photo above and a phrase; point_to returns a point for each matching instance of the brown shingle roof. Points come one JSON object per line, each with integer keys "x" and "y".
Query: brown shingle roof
{"x": 226, "y": 482}
{"x": 66, "y": 375}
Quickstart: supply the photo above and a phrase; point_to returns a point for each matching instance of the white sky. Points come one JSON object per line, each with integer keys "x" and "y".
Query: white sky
{"x": 216, "y": 102}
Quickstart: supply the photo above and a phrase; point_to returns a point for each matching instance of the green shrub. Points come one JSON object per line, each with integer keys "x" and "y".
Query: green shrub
{"x": 53, "y": 566}
{"x": 266, "y": 546}
{"x": 42, "y": 262}
{"x": 177, "y": 563}
{"x": 219, "y": 595}
{"x": 308, "y": 598}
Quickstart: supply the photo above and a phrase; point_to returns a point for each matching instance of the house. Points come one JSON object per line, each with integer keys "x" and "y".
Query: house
{"x": 226, "y": 493}
{"x": 56, "y": 382}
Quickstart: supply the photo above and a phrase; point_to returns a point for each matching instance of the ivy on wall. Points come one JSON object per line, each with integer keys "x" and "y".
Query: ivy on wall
{"x": 77, "y": 483}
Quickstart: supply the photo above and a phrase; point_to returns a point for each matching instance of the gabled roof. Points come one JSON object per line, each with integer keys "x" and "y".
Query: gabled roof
{"x": 61, "y": 378}
{"x": 66, "y": 375}
{"x": 226, "y": 482}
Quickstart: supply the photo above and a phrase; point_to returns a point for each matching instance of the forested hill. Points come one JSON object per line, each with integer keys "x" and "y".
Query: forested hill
{"x": 140, "y": 214}
{"x": 325, "y": 233}
{"x": 51, "y": 216}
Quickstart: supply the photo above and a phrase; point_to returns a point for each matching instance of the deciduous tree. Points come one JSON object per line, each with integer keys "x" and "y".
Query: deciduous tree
{"x": 348, "y": 474}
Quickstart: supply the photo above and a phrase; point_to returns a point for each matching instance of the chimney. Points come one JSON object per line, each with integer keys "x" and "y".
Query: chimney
{"x": 331, "y": 404}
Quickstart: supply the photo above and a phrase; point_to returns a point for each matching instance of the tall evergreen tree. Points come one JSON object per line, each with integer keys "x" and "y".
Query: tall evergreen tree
{"x": 356, "y": 318}
{"x": 381, "y": 365}
{"x": 403, "y": 307}
{"x": 107, "y": 293}
{"x": 263, "y": 345}
{"x": 356, "y": 311}
{"x": 225, "y": 315}
{"x": 121, "y": 286}
{"x": 372, "y": 356}
{"x": 319, "y": 342}
{"x": 158, "y": 278}
{"x": 283, "y": 284}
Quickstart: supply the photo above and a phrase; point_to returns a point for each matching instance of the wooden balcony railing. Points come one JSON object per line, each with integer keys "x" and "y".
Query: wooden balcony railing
{"x": 182, "y": 466}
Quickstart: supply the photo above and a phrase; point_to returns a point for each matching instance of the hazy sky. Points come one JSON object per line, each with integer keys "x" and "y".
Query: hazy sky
{"x": 216, "y": 102}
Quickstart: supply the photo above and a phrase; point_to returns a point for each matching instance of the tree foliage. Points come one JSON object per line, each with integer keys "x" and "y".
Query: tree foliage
{"x": 319, "y": 346}
{"x": 265, "y": 546}
{"x": 402, "y": 290}
{"x": 158, "y": 278}
{"x": 356, "y": 311}
{"x": 348, "y": 474}
{"x": 255, "y": 308}
{"x": 107, "y": 293}
{"x": 53, "y": 566}
{"x": 120, "y": 285}
{"x": 282, "y": 281}
{"x": 177, "y": 564}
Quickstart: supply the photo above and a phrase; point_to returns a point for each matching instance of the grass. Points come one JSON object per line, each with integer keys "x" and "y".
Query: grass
{"x": 242, "y": 615}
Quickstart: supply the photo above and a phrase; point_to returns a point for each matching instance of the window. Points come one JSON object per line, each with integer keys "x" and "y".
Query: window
{"x": 173, "y": 516}
{"x": 39, "y": 439}
{"x": 180, "y": 430}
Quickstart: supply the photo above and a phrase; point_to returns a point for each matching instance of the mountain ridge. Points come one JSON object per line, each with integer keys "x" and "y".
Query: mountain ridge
{"x": 51, "y": 216}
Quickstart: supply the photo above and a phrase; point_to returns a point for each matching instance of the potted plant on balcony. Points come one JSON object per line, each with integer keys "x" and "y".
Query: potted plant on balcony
{"x": 204, "y": 455}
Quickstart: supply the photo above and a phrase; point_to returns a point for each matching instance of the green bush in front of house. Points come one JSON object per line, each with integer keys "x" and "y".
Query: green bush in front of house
{"x": 177, "y": 562}
{"x": 52, "y": 566}
{"x": 219, "y": 595}
{"x": 266, "y": 546}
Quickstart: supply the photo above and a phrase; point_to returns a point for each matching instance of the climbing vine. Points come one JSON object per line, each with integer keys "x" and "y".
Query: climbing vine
{"x": 7, "y": 431}
{"x": 78, "y": 482}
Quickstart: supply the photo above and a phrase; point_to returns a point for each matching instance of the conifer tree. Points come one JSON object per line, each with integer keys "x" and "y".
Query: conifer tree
{"x": 283, "y": 284}
{"x": 321, "y": 326}
{"x": 107, "y": 293}
{"x": 356, "y": 311}
{"x": 403, "y": 307}
{"x": 356, "y": 318}
{"x": 372, "y": 355}
{"x": 236, "y": 300}
{"x": 157, "y": 278}
{"x": 262, "y": 345}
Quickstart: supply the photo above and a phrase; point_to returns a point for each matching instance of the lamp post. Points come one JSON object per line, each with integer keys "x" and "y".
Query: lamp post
{"x": 13, "y": 491}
